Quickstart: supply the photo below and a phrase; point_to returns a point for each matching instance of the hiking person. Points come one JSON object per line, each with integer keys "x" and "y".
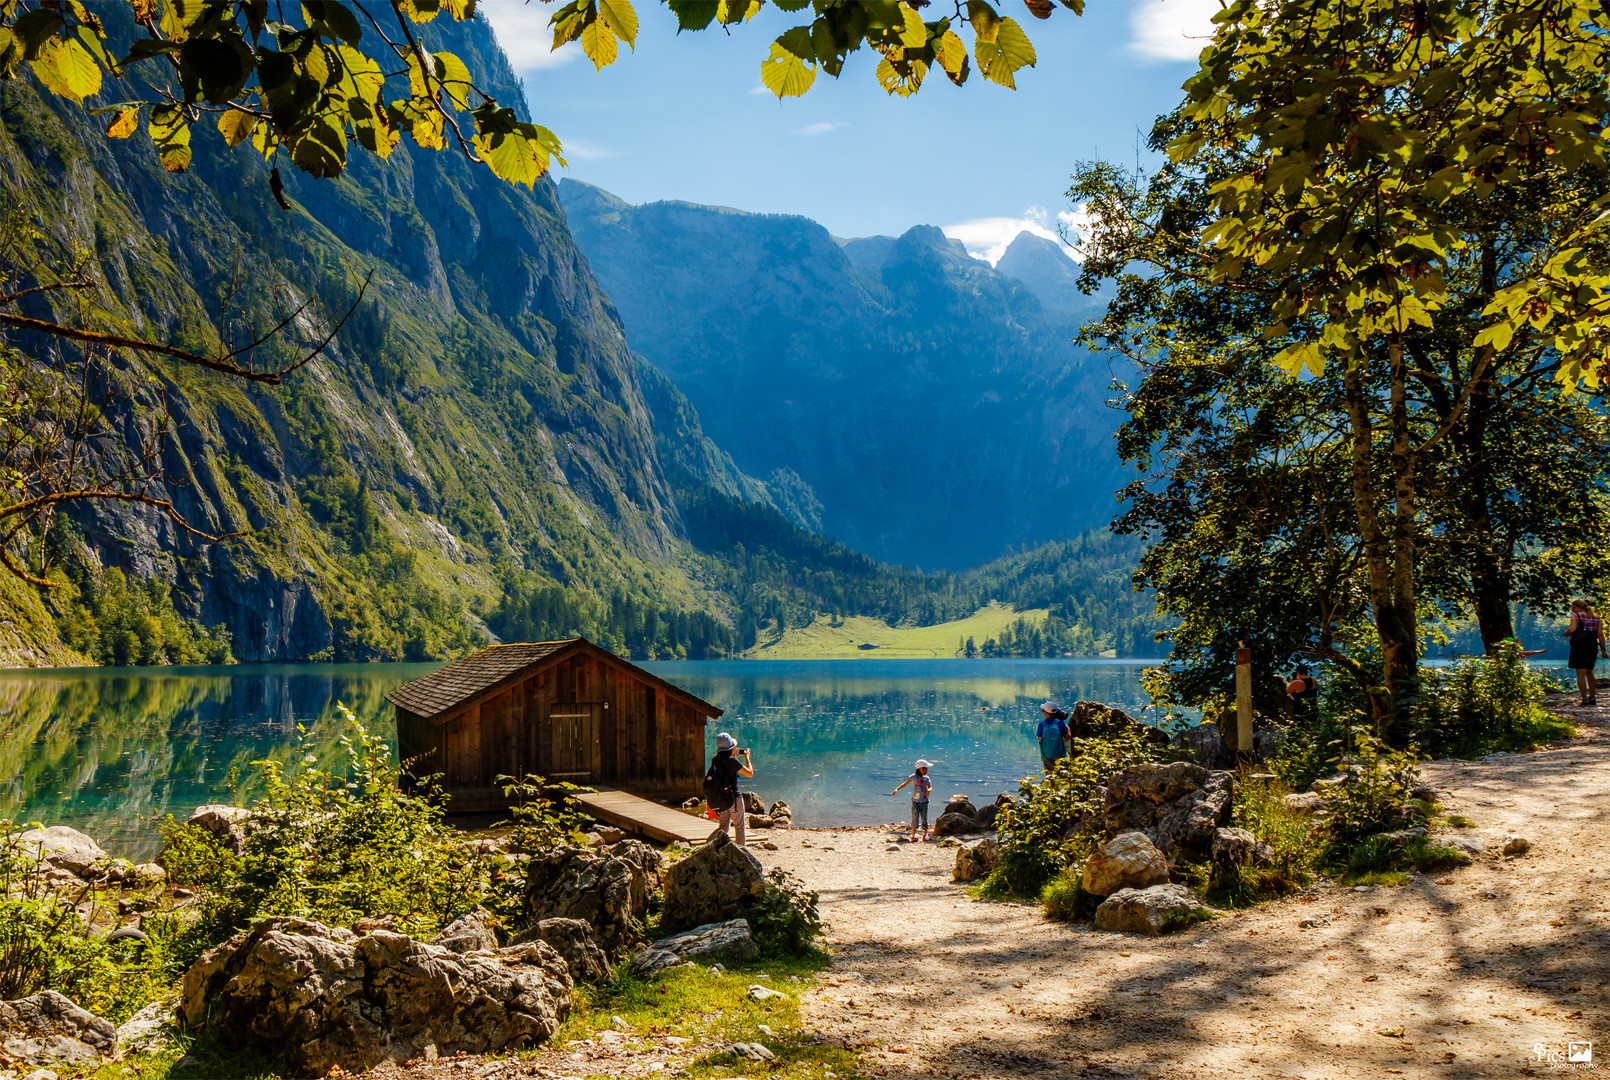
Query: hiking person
{"x": 1586, "y": 633}
{"x": 1304, "y": 691}
{"x": 920, "y": 787}
{"x": 1052, "y": 733}
{"x": 721, "y": 782}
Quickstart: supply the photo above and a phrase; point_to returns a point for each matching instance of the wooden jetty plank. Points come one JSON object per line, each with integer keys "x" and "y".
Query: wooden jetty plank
{"x": 627, "y": 811}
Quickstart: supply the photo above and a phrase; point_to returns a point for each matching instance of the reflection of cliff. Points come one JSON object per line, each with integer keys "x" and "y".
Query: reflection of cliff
{"x": 110, "y": 753}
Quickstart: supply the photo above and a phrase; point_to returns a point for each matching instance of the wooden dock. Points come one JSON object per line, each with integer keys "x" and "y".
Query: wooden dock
{"x": 626, "y": 811}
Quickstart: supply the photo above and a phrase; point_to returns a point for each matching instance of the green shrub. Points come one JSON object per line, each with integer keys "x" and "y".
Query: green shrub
{"x": 334, "y": 845}
{"x": 788, "y": 922}
{"x": 1259, "y": 808}
{"x": 1064, "y": 898}
{"x": 1484, "y": 704}
{"x": 1372, "y": 798}
{"x": 1378, "y": 855}
{"x": 1034, "y": 843}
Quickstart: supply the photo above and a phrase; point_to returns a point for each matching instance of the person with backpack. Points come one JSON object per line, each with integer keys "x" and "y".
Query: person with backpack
{"x": 1052, "y": 733}
{"x": 1586, "y": 633}
{"x": 721, "y": 782}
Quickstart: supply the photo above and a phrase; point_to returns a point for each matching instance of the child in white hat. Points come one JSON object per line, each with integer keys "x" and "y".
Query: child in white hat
{"x": 921, "y": 785}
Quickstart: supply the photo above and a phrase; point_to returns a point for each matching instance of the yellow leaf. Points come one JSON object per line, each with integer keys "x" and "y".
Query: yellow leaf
{"x": 125, "y": 123}
{"x": 66, "y": 68}
{"x": 983, "y": 19}
{"x": 621, "y": 18}
{"x": 236, "y": 126}
{"x": 454, "y": 76}
{"x": 171, "y": 132}
{"x": 951, "y": 53}
{"x": 420, "y": 11}
{"x": 785, "y": 74}
{"x": 362, "y": 72}
{"x": 913, "y": 34}
{"x": 598, "y": 42}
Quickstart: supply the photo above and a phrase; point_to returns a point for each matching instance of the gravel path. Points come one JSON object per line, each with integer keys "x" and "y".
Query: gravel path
{"x": 1457, "y": 974}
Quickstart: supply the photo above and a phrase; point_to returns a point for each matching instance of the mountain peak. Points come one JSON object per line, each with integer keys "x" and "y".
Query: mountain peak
{"x": 1050, "y": 273}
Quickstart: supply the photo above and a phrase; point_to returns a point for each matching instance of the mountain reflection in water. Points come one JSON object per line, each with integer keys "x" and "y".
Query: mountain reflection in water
{"x": 110, "y": 751}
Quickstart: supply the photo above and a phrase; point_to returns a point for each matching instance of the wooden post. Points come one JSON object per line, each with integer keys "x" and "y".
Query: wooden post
{"x": 1243, "y": 699}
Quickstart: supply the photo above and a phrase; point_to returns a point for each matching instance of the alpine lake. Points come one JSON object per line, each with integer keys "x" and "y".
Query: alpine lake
{"x": 111, "y": 751}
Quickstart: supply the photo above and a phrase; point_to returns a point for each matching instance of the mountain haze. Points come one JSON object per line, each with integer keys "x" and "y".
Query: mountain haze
{"x": 938, "y": 410}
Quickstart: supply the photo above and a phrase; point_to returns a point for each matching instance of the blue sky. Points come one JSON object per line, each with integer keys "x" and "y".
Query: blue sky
{"x": 686, "y": 118}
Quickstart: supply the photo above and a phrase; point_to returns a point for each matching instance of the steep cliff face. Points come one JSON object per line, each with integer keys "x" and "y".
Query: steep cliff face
{"x": 938, "y": 410}
{"x": 480, "y": 417}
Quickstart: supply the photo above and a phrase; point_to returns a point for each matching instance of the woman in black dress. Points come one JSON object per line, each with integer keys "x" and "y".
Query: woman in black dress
{"x": 1586, "y": 633}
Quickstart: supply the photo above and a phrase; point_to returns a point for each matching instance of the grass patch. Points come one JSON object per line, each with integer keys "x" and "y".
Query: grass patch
{"x": 1378, "y": 856}
{"x": 1065, "y": 900}
{"x": 1390, "y": 879}
{"x": 1459, "y": 821}
{"x": 822, "y": 640}
{"x": 708, "y": 1007}
{"x": 204, "y": 1059}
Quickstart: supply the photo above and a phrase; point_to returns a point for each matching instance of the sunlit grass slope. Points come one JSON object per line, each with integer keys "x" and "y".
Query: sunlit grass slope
{"x": 823, "y": 641}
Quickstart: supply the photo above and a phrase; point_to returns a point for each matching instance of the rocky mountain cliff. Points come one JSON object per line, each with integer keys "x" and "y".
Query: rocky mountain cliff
{"x": 938, "y": 410}
{"x": 1043, "y": 265}
{"x": 479, "y": 418}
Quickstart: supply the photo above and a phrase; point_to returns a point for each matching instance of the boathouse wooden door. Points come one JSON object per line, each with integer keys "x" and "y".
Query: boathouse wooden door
{"x": 577, "y": 755}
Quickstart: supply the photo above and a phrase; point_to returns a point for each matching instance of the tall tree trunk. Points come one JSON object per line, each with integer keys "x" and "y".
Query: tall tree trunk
{"x": 1388, "y": 552}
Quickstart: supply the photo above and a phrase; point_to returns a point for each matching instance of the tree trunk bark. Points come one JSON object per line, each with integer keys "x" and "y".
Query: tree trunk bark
{"x": 1388, "y": 552}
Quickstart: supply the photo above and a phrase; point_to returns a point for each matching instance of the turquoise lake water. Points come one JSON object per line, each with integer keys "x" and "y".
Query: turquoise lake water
{"x": 111, "y": 750}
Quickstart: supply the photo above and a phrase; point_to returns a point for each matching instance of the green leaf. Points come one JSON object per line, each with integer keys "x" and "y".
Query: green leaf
{"x": 66, "y": 68}
{"x": 693, "y": 14}
{"x": 320, "y": 149}
{"x": 33, "y": 28}
{"x": 785, "y": 74}
{"x": 332, "y": 20}
{"x": 215, "y": 69}
{"x": 621, "y": 18}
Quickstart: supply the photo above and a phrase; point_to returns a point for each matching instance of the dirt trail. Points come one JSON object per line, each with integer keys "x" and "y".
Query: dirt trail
{"x": 1476, "y": 967}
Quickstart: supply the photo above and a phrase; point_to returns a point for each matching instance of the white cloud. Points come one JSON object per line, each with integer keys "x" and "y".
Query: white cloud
{"x": 820, "y": 128}
{"x": 581, "y": 150}
{"x": 988, "y": 238}
{"x": 523, "y": 32}
{"x": 1167, "y": 30}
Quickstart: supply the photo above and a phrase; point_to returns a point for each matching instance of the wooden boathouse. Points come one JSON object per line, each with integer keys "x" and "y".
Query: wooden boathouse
{"x": 564, "y": 710}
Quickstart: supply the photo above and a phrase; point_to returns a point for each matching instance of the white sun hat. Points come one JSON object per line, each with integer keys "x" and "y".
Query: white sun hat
{"x": 1050, "y": 706}
{"x": 923, "y": 763}
{"x": 725, "y": 741}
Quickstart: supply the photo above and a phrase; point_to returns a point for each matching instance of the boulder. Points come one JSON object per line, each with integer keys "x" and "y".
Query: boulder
{"x": 66, "y": 849}
{"x": 780, "y": 809}
{"x": 474, "y": 931}
{"x": 148, "y": 1031}
{"x": 719, "y": 881}
{"x": 1238, "y": 847}
{"x": 653, "y": 961}
{"x": 1097, "y": 719}
{"x": 1127, "y": 861}
{"x": 1516, "y": 845}
{"x": 608, "y": 888}
{"x": 976, "y": 860}
{"x": 1205, "y": 744}
{"x": 1178, "y": 806}
{"x": 319, "y": 997}
{"x": 753, "y": 804}
{"x": 959, "y": 804}
{"x": 1469, "y": 843}
{"x": 731, "y": 940}
{"x": 48, "y": 1029}
{"x": 761, "y": 821}
{"x": 955, "y": 823}
{"x": 228, "y": 823}
{"x": 1304, "y": 803}
{"x": 573, "y": 940}
{"x": 1150, "y": 911}
{"x": 986, "y": 815}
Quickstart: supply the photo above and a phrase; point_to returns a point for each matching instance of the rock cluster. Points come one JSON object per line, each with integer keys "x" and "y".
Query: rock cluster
{"x": 976, "y": 860}
{"x": 573, "y": 940}
{"x": 319, "y": 997}
{"x": 606, "y": 888}
{"x": 718, "y": 882}
{"x": 1127, "y": 861}
{"x": 1150, "y": 911}
{"x": 730, "y": 940}
{"x": 1178, "y": 805}
{"x": 960, "y": 818}
{"x": 48, "y": 1029}
{"x": 1089, "y": 719}
{"x": 70, "y": 860}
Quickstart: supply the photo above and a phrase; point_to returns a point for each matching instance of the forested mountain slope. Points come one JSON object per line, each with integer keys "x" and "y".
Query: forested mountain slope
{"x": 937, "y": 409}
{"x": 479, "y": 418}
